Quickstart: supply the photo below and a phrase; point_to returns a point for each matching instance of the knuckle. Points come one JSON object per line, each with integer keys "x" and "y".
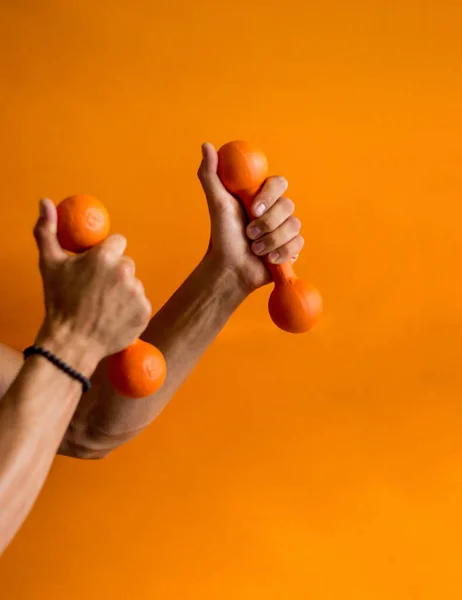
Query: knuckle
{"x": 270, "y": 241}
{"x": 103, "y": 256}
{"x": 122, "y": 271}
{"x": 287, "y": 204}
{"x": 115, "y": 245}
{"x": 295, "y": 224}
{"x": 268, "y": 222}
{"x": 126, "y": 267}
{"x": 147, "y": 310}
{"x": 136, "y": 291}
{"x": 38, "y": 232}
{"x": 281, "y": 182}
{"x": 201, "y": 172}
{"x": 114, "y": 239}
{"x": 133, "y": 288}
{"x": 118, "y": 238}
{"x": 297, "y": 244}
{"x": 143, "y": 313}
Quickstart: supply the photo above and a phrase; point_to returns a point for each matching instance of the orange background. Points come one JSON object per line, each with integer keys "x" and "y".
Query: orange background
{"x": 325, "y": 466}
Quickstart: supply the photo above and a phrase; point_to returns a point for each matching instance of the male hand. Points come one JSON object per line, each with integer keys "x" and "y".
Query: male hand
{"x": 238, "y": 245}
{"x": 93, "y": 299}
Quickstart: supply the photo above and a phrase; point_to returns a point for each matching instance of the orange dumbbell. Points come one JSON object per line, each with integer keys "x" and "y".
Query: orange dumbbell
{"x": 294, "y": 305}
{"x": 140, "y": 369}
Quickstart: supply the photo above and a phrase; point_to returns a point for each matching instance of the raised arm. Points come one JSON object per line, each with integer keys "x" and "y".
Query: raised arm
{"x": 185, "y": 327}
{"x": 94, "y": 307}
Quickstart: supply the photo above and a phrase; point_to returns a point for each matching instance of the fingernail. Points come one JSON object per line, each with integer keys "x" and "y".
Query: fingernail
{"x": 258, "y": 247}
{"x": 259, "y": 210}
{"x": 273, "y": 257}
{"x": 254, "y": 232}
{"x": 294, "y": 258}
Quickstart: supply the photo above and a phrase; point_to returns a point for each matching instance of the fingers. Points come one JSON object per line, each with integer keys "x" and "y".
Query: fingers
{"x": 215, "y": 192}
{"x": 288, "y": 252}
{"x": 278, "y": 239}
{"x": 276, "y": 232}
{"x": 112, "y": 248}
{"x": 147, "y": 310}
{"x": 125, "y": 271}
{"x": 138, "y": 295}
{"x": 146, "y": 304}
{"x": 50, "y": 250}
{"x": 273, "y": 218}
{"x": 127, "y": 267}
{"x": 272, "y": 190}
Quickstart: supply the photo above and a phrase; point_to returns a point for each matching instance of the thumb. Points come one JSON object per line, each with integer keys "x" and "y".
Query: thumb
{"x": 215, "y": 192}
{"x": 45, "y": 233}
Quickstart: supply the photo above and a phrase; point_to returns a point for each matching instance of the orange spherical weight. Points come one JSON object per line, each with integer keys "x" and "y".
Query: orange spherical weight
{"x": 138, "y": 371}
{"x": 83, "y": 221}
{"x": 295, "y": 306}
{"x": 242, "y": 168}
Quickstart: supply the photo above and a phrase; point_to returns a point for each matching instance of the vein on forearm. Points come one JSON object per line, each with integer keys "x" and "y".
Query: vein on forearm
{"x": 192, "y": 318}
{"x": 183, "y": 329}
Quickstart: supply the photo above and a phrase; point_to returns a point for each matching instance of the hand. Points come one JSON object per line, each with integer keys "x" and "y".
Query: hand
{"x": 92, "y": 299}
{"x": 274, "y": 231}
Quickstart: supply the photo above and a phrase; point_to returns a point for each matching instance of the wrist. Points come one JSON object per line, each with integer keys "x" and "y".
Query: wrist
{"x": 73, "y": 349}
{"x": 225, "y": 280}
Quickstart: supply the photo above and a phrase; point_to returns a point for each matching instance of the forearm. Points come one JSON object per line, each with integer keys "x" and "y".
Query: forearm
{"x": 183, "y": 329}
{"x": 190, "y": 321}
{"x": 34, "y": 415}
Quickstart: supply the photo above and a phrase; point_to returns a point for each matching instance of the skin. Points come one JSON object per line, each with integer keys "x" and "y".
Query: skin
{"x": 83, "y": 329}
{"x": 94, "y": 306}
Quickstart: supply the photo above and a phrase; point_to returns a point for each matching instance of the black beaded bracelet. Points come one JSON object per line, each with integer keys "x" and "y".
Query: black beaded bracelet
{"x": 86, "y": 383}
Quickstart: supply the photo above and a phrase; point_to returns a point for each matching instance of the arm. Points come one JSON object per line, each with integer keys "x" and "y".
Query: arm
{"x": 189, "y": 322}
{"x": 183, "y": 329}
{"x": 32, "y": 424}
{"x": 94, "y": 308}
